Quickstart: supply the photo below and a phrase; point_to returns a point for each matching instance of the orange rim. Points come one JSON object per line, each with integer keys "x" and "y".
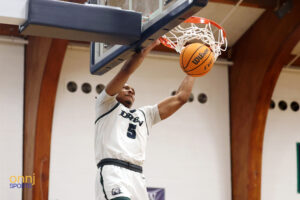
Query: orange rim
{"x": 194, "y": 20}
{"x": 166, "y": 42}
{"x": 201, "y": 20}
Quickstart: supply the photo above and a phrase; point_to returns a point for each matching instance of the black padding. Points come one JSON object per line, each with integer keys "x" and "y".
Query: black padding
{"x": 83, "y": 22}
{"x": 120, "y": 163}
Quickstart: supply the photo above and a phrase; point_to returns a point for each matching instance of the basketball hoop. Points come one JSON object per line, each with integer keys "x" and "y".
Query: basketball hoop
{"x": 197, "y": 29}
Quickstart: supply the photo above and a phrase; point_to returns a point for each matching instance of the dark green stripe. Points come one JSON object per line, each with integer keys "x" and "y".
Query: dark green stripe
{"x": 145, "y": 121}
{"x": 121, "y": 198}
{"x": 101, "y": 181}
{"x": 107, "y": 112}
{"x": 298, "y": 165}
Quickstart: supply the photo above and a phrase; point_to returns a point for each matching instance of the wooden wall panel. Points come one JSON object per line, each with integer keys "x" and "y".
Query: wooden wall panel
{"x": 258, "y": 60}
{"x": 44, "y": 58}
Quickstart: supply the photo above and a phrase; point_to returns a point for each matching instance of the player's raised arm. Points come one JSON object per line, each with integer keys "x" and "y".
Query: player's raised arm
{"x": 116, "y": 84}
{"x": 170, "y": 105}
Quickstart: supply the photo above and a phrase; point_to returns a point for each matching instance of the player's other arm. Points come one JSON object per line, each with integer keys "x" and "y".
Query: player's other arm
{"x": 116, "y": 84}
{"x": 170, "y": 105}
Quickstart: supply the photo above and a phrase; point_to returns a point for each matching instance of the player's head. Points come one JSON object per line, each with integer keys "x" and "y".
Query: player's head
{"x": 126, "y": 96}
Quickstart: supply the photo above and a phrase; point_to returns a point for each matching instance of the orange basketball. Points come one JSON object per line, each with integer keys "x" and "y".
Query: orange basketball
{"x": 196, "y": 59}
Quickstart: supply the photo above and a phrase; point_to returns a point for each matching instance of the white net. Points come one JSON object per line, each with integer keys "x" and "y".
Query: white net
{"x": 179, "y": 36}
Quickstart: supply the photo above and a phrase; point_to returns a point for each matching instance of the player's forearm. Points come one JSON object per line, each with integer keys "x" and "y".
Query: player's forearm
{"x": 184, "y": 91}
{"x": 136, "y": 60}
{"x": 132, "y": 64}
{"x": 170, "y": 105}
{"x": 116, "y": 84}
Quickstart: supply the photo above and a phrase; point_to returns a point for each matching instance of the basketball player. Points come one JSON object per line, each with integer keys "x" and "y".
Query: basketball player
{"x": 121, "y": 133}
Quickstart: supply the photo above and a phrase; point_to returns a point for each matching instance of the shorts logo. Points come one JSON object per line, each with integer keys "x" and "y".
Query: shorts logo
{"x": 116, "y": 191}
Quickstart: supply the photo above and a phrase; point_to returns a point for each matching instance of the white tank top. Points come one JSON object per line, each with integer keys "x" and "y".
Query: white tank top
{"x": 122, "y": 133}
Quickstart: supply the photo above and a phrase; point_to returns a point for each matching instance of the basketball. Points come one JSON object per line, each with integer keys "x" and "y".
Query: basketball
{"x": 196, "y": 59}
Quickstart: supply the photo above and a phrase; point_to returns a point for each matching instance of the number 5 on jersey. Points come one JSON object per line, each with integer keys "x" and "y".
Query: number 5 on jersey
{"x": 131, "y": 131}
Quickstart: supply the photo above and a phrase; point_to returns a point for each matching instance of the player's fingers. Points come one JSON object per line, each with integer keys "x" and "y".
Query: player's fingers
{"x": 151, "y": 46}
{"x": 157, "y": 42}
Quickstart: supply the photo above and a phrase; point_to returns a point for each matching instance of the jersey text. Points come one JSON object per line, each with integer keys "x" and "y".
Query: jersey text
{"x": 131, "y": 118}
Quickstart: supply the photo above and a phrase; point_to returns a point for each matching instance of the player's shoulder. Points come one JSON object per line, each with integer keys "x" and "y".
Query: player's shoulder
{"x": 103, "y": 98}
{"x": 147, "y": 108}
{"x": 151, "y": 113}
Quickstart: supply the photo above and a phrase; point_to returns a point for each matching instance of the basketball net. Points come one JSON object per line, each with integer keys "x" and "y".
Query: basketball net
{"x": 197, "y": 29}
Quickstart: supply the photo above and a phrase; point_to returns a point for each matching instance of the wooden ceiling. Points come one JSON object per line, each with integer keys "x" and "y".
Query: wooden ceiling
{"x": 9, "y": 30}
{"x": 267, "y": 4}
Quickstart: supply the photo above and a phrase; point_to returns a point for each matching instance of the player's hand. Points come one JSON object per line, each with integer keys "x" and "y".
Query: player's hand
{"x": 147, "y": 49}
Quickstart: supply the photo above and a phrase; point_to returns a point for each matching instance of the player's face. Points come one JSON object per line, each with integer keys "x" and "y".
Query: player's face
{"x": 126, "y": 96}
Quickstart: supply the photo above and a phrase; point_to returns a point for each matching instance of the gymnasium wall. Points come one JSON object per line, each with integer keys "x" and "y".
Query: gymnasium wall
{"x": 11, "y": 116}
{"x": 188, "y": 154}
{"x": 279, "y": 170}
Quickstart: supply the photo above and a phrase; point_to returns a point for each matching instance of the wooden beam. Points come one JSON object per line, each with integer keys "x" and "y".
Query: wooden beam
{"x": 9, "y": 30}
{"x": 258, "y": 59}
{"x": 297, "y": 62}
{"x": 266, "y": 4}
{"x": 35, "y": 60}
{"x": 289, "y": 58}
{"x": 44, "y": 58}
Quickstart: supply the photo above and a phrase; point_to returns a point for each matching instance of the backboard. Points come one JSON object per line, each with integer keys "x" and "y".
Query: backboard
{"x": 159, "y": 17}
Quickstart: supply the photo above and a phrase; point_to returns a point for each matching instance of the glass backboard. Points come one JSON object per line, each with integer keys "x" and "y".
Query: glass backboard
{"x": 159, "y": 16}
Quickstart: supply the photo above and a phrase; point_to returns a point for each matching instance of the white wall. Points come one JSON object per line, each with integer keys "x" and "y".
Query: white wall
{"x": 279, "y": 170}
{"x": 13, "y": 11}
{"x": 188, "y": 154}
{"x": 11, "y": 117}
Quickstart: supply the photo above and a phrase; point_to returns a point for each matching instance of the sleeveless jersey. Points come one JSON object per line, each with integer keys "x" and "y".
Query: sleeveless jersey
{"x": 120, "y": 132}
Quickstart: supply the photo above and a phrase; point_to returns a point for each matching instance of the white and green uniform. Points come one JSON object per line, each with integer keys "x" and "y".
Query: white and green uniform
{"x": 122, "y": 134}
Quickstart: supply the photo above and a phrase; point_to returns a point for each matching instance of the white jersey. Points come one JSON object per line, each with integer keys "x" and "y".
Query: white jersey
{"x": 122, "y": 133}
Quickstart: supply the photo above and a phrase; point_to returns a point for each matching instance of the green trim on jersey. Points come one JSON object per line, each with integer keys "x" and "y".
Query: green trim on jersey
{"x": 102, "y": 183}
{"x": 145, "y": 120}
{"x": 121, "y": 198}
{"x": 115, "y": 106}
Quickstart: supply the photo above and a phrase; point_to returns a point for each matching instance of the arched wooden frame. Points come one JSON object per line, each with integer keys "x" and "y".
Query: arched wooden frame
{"x": 44, "y": 59}
{"x": 258, "y": 59}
